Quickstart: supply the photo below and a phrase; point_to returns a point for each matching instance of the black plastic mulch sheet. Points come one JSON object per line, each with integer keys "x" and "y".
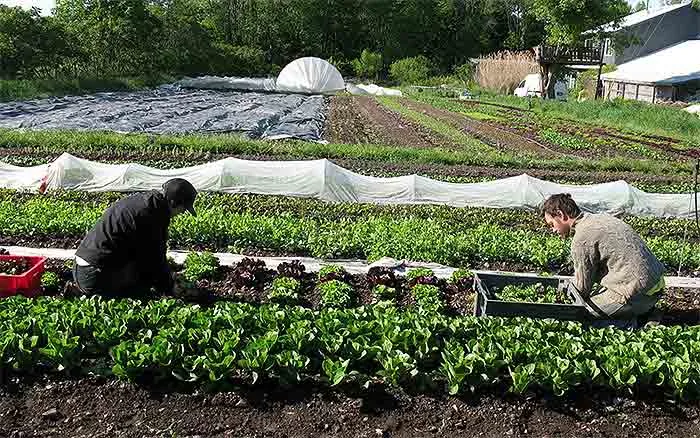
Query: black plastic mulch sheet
{"x": 171, "y": 110}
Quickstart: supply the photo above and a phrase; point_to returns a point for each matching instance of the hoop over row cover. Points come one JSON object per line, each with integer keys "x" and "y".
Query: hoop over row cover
{"x": 322, "y": 179}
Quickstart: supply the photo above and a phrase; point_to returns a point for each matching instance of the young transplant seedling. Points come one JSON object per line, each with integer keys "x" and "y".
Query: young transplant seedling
{"x": 537, "y": 293}
{"x": 284, "y": 290}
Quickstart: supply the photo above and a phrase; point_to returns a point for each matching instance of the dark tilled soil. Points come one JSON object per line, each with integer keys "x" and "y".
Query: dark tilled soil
{"x": 94, "y": 407}
{"x": 361, "y": 119}
{"x": 501, "y": 139}
{"x": 680, "y": 306}
{"x": 347, "y": 124}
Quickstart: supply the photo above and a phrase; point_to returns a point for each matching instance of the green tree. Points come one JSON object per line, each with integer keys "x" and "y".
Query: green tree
{"x": 119, "y": 36}
{"x": 368, "y": 65}
{"x": 31, "y": 45}
{"x": 566, "y": 20}
{"x": 414, "y": 70}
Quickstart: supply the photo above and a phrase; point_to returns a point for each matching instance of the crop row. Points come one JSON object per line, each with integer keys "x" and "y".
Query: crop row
{"x": 59, "y": 141}
{"x": 437, "y": 171}
{"x": 542, "y": 118}
{"x": 523, "y": 158}
{"x": 368, "y": 237}
{"x": 264, "y": 205}
{"x": 368, "y": 345}
{"x": 334, "y": 286}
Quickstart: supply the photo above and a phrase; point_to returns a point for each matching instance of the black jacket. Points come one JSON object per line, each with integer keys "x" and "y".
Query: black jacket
{"x": 132, "y": 229}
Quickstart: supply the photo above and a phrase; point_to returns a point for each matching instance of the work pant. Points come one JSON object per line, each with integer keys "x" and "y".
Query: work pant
{"x": 603, "y": 305}
{"x": 121, "y": 282}
{"x": 606, "y": 303}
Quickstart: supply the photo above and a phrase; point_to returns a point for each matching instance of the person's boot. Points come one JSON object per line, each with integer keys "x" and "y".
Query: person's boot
{"x": 71, "y": 290}
{"x": 653, "y": 318}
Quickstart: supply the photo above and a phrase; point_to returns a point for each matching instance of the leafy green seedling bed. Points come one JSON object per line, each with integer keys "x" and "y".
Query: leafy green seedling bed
{"x": 536, "y": 293}
{"x": 533, "y": 297}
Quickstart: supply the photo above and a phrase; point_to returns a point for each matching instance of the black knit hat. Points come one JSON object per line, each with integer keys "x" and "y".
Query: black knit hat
{"x": 180, "y": 192}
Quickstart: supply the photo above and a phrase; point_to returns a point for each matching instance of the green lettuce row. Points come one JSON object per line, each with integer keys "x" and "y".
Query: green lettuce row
{"x": 418, "y": 349}
{"x": 262, "y": 205}
{"x": 369, "y": 238}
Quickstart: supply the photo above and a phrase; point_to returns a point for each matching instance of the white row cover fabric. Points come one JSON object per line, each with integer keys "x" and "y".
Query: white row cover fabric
{"x": 673, "y": 65}
{"x": 228, "y": 83}
{"x": 327, "y": 181}
{"x": 311, "y": 76}
{"x": 375, "y": 90}
{"x": 400, "y": 267}
{"x": 22, "y": 178}
{"x": 693, "y": 109}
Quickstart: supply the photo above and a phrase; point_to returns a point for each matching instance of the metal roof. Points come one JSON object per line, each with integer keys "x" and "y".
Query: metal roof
{"x": 639, "y": 17}
{"x": 673, "y": 65}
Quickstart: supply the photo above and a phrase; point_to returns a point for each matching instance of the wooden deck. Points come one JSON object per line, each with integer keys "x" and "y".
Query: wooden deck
{"x": 568, "y": 55}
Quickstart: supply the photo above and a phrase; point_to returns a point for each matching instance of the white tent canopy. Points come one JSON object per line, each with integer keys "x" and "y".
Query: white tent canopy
{"x": 325, "y": 180}
{"x": 310, "y": 75}
{"x": 676, "y": 64}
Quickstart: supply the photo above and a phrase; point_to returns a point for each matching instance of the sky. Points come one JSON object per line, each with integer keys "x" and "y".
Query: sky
{"x": 44, "y": 5}
{"x": 47, "y": 5}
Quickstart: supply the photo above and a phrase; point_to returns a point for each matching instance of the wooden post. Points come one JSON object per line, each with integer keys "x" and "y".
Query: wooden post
{"x": 636, "y": 94}
{"x": 653, "y": 94}
{"x": 544, "y": 85}
{"x": 600, "y": 71}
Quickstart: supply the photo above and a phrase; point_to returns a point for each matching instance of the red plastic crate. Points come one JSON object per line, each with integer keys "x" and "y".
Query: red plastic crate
{"x": 27, "y": 284}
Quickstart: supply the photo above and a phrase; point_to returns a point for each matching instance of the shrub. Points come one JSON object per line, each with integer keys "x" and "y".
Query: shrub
{"x": 284, "y": 290}
{"x": 238, "y": 60}
{"x": 414, "y": 70}
{"x": 465, "y": 72}
{"x": 344, "y": 66}
{"x": 368, "y": 65}
{"x": 586, "y": 82}
{"x": 199, "y": 266}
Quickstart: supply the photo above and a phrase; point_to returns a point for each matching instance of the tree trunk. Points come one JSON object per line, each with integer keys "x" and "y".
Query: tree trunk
{"x": 547, "y": 80}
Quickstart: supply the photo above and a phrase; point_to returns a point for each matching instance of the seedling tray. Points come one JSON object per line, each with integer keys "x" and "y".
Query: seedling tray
{"x": 27, "y": 283}
{"x": 488, "y": 304}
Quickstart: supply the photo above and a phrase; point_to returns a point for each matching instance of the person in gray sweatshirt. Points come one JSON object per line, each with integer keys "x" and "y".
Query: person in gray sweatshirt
{"x": 609, "y": 257}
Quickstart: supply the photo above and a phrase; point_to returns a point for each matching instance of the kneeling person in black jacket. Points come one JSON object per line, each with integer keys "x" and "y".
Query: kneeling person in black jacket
{"x": 125, "y": 252}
